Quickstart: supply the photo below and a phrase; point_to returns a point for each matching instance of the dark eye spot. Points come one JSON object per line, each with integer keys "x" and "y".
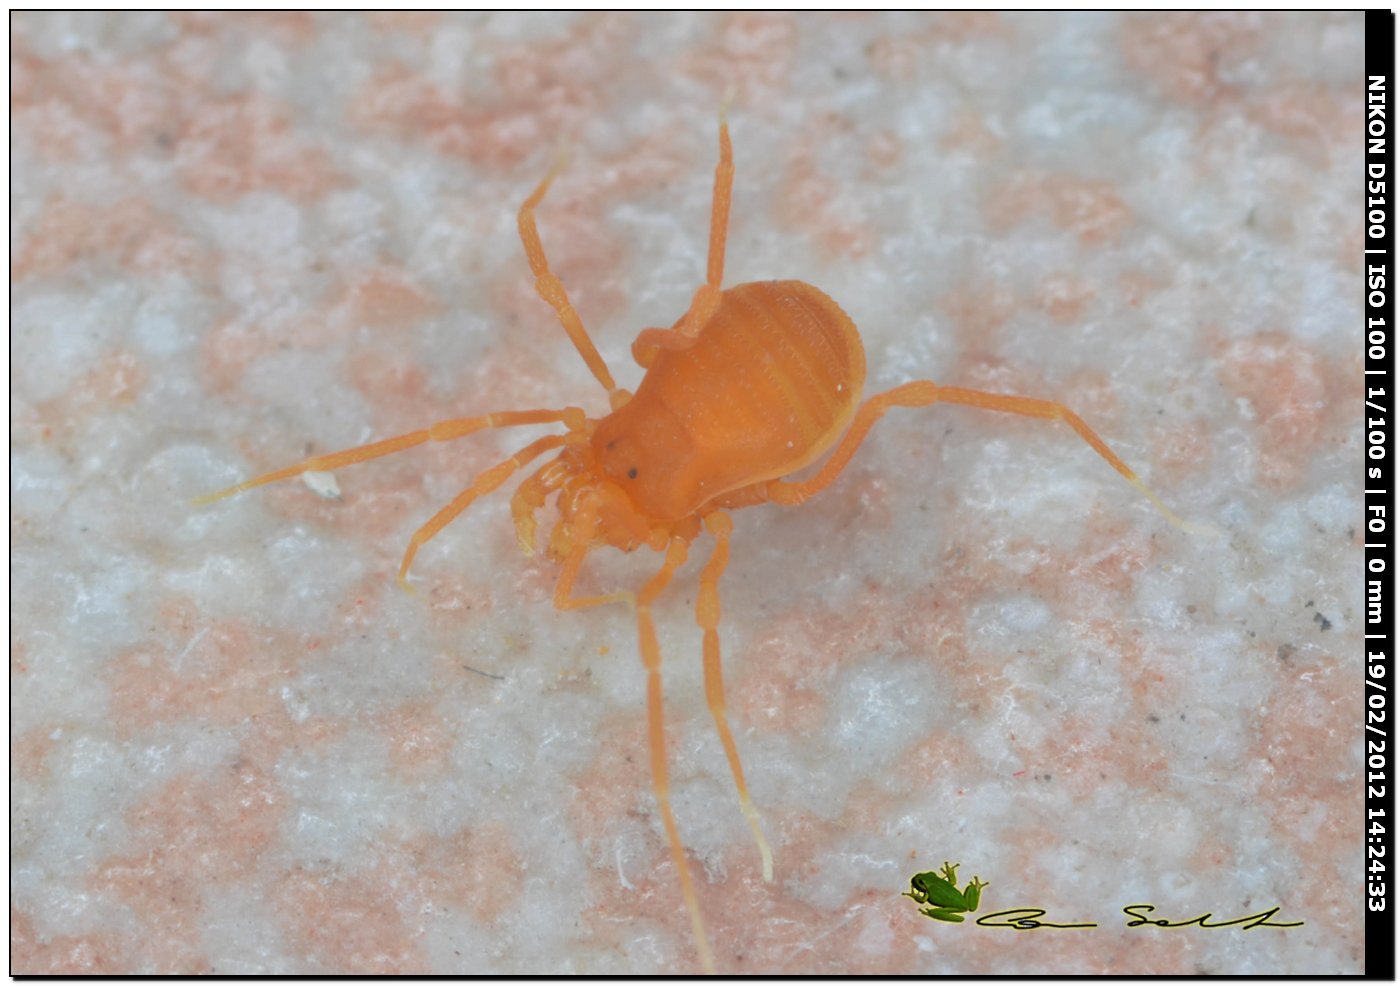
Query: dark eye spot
{"x": 632, "y": 473}
{"x": 612, "y": 443}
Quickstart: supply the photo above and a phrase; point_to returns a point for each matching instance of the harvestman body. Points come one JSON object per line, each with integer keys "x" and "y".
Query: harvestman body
{"x": 753, "y": 383}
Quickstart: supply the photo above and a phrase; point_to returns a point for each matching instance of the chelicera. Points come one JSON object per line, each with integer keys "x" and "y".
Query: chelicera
{"x": 752, "y": 384}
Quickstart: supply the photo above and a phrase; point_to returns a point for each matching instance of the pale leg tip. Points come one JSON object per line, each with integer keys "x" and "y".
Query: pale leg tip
{"x": 765, "y": 852}
{"x": 1165, "y": 511}
{"x": 1202, "y": 529}
{"x": 208, "y": 498}
{"x": 707, "y": 962}
{"x": 767, "y": 856}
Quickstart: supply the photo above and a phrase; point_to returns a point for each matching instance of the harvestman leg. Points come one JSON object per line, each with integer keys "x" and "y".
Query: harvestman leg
{"x": 707, "y": 614}
{"x": 656, "y": 739}
{"x": 920, "y": 393}
{"x": 707, "y": 297}
{"x": 676, "y": 552}
{"x": 442, "y": 431}
{"x": 483, "y": 484}
{"x": 551, "y": 289}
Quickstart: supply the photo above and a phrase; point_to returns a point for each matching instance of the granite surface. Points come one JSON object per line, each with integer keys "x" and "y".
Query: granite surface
{"x": 239, "y": 240}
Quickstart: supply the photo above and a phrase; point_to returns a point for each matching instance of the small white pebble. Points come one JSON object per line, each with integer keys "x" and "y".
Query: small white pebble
{"x": 323, "y": 484}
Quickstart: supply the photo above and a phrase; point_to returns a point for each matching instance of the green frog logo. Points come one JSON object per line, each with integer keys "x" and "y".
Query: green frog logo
{"x": 941, "y": 891}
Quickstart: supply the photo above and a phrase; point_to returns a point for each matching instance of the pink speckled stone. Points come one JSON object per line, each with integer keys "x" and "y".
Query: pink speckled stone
{"x": 238, "y": 240}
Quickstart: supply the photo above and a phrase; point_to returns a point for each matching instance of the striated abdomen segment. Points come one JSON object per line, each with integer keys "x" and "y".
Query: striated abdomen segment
{"x": 769, "y": 386}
